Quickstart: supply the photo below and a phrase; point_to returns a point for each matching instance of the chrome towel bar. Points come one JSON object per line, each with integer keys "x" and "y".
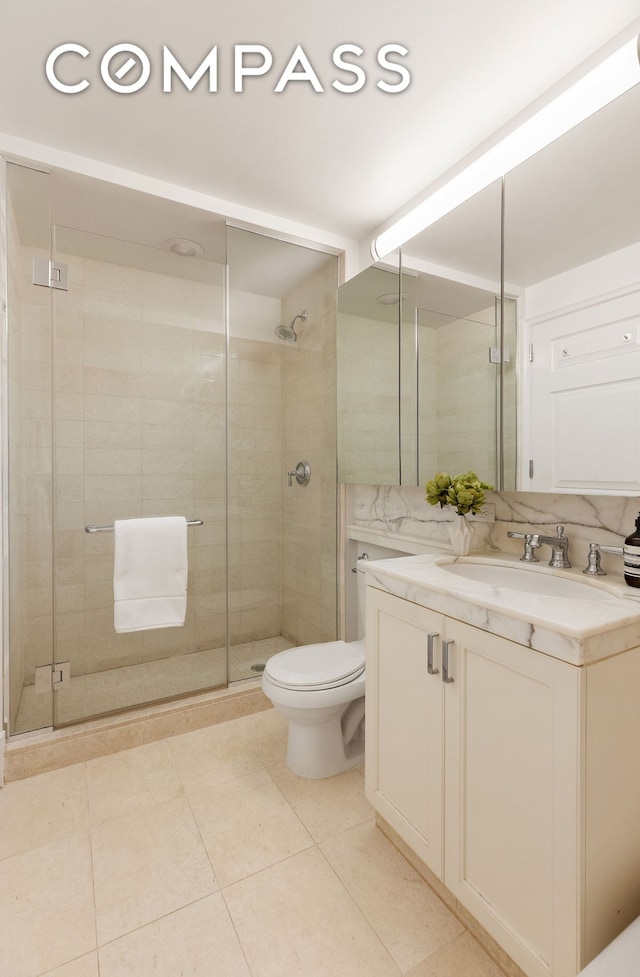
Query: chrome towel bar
{"x": 109, "y": 529}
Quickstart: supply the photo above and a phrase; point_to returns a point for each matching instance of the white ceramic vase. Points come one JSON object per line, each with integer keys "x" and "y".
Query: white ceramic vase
{"x": 460, "y": 535}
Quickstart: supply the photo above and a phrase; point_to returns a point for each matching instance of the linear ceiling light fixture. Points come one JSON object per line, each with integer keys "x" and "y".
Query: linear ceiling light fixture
{"x": 612, "y": 77}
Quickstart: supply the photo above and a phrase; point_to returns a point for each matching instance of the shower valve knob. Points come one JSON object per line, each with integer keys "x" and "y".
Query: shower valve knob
{"x": 301, "y": 473}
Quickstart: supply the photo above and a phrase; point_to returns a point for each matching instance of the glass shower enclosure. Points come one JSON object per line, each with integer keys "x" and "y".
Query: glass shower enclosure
{"x": 144, "y": 381}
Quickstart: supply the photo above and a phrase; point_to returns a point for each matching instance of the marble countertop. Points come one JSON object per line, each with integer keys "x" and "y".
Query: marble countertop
{"x": 578, "y": 631}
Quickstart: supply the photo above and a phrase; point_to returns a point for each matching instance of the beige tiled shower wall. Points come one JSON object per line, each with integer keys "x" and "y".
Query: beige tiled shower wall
{"x": 139, "y": 431}
{"x": 309, "y": 418}
{"x": 255, "y": 373}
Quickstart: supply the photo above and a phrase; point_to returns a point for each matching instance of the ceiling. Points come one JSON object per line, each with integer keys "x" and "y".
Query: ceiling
{"x": 335, "y": 162}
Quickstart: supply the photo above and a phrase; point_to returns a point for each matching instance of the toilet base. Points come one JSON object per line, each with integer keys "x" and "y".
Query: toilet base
{"x": 318, "y": 750}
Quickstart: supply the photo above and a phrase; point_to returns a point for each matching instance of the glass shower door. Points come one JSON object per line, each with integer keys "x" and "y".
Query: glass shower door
{"x": 282, "y": 410}
{"x": 139, "y": 414}
{"x": 27, "y": 441}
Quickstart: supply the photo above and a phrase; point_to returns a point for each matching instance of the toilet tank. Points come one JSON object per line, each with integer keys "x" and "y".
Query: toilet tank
{"x": 356, "y": 595}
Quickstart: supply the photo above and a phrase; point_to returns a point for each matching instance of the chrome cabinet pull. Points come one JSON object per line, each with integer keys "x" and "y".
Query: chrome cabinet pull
{"x": 446, "y": 678}
{"x": 430, "y": 669}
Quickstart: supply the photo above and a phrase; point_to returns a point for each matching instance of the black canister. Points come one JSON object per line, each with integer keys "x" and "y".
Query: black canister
{"x": 631, "y": 556}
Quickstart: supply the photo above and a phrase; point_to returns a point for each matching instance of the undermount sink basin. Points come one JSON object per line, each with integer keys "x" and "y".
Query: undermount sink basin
{"x": 526, "y": 579}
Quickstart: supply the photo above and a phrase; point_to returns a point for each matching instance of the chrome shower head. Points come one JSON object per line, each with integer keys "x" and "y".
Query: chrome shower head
{"x": 287, "y": 333}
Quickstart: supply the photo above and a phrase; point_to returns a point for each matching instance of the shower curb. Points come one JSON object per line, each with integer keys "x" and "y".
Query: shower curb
{"x": 31, "y": 754}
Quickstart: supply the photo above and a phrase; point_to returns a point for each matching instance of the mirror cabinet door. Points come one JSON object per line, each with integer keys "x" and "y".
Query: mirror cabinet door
{"x": 424, "y": 384}
{"x": 456, "y": 264}
{"x": 409, "y": 378}
{"x": 368, "y": 363}
{"x": 572, "y": 247}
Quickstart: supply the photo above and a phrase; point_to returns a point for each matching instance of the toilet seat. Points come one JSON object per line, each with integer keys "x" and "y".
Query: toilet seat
{"x": 316, "y": 667}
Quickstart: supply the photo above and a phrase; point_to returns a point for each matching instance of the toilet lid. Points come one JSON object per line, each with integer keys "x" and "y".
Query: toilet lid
{"x": 321, "y": 666}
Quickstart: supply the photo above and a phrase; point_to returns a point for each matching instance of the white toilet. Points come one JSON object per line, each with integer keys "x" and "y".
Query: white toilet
{"x": 320, "y": 690}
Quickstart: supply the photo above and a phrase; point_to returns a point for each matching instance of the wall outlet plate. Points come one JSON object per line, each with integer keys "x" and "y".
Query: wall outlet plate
{"x": 486, "y": 514}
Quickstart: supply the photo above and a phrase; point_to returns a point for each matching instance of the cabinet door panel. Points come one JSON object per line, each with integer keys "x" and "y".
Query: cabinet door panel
{"x": 404, "y": 722}
{"x": 511, "y": 774}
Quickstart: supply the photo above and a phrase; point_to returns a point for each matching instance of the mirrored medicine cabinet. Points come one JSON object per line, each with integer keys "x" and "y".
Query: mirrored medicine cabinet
{"x": 535, "y": 385}
{"x": 426, "y": 359}
{"x": 572, "y": 250}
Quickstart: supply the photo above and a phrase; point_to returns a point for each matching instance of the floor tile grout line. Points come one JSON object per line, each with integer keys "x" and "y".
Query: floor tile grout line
{"x": 202, "y": 841}
{"x": 357, "y": 906}
{"x": 264, "y": 868}
{"x": 214, "y": 891}
{"x": 93, "y": 875}
{"x": 152, "y": 922}
{"x": 235, "y": 930}
{"x": 268, "y": 767}
{"x": 288, "y": 802}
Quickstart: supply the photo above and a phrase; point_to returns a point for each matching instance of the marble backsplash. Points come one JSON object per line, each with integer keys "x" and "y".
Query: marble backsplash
{"x": 587, "y": 519}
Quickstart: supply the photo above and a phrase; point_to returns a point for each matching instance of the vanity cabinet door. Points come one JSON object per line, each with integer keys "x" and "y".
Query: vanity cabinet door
{"x": 404, "y": 745}
{"x": 512, "y": 741}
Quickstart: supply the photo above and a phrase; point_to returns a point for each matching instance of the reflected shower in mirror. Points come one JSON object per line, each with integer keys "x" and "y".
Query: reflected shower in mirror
{"x": 427, "y": 388}
{"x": 466, "y": 385}
{"x": 369, "y": 378}
{"x": 423, "y": 384}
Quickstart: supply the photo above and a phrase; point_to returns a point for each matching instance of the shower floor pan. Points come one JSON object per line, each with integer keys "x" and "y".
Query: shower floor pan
{"x": 130, "y": 686}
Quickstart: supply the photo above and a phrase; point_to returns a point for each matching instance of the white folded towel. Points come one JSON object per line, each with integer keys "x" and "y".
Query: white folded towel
{"x": 150, "y": 573}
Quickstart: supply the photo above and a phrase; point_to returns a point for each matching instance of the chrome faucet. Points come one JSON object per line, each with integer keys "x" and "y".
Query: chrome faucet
{"x": 559, "y": 547}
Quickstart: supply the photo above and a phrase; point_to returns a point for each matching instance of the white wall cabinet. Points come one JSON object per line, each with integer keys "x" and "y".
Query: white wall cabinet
{"x": 584, "y": 419}
{"x": 500, "y": 782}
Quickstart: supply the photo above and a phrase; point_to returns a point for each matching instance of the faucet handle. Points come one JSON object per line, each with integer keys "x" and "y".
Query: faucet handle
{"x": 531, "y": 544}
{"x": 560, "y": 531}
{"x": 593, "y": 567}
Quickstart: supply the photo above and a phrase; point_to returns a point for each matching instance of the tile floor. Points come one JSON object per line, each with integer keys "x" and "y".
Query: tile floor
{"x": 201, "y": 855}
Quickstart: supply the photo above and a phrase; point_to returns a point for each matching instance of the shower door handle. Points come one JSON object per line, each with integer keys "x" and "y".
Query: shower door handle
{"x": 301, "y": 473}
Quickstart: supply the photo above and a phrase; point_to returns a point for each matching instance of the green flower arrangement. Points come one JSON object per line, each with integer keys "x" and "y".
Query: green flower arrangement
{"x": 465, "y": 492}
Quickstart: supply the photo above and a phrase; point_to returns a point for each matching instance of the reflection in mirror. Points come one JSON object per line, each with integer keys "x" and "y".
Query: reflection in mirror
{"x": 573, "y": 251}
{"x": 459, "y": 381}
{"x": 507, "y": 477}
{"x": 466, "y": 394}
{"x": 369, "y": 378}
{"x": 422, "y": 382}
{"x": 409, "y": 379}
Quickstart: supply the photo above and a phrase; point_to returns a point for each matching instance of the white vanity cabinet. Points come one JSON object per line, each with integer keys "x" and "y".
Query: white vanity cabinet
{"x": 404, "y": 744}
{"x": 501, "y": 782}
